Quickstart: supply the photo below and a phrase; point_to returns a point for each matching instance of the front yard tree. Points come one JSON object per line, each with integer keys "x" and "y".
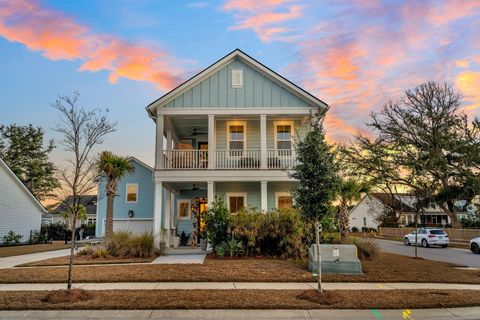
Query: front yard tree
{"x": 424, "y": 136}
{"x": 316, "y": 173}
{"x": 349, "y": 191}
{"x": 22, "y": 149}
{"x": 81, "y": 130}
{"x": 112, "y": 167}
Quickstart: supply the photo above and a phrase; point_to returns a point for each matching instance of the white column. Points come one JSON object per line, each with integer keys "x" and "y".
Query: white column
{"x": 168, "y": 222}
{"x": 263, "y": 141}
{"x": 210, "y": 193}
{"x": 211, "y": 141}
{"x": 264, "y": 195}
{"x": 159, "y": 142}
{"x": 157, "y": 213}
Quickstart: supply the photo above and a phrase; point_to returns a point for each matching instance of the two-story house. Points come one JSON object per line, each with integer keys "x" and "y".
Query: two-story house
{"x": 227, "y": 132}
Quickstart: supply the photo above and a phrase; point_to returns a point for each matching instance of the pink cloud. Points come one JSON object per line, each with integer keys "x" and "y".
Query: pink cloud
{"x": 60, "y": 37}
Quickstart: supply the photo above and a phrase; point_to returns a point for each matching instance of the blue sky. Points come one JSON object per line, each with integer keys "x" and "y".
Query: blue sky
{"x": 124, "y": 54}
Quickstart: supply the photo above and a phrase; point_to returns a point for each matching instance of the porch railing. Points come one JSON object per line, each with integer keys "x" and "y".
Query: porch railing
{"x": 281, "y": 159}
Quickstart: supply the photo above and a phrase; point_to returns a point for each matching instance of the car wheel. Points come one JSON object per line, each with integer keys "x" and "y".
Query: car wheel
{"x": 475, "y": 248}
{"x": 424, "y": 243}
{"x": 406, "y": 242}
{"x": 444, "y": 245}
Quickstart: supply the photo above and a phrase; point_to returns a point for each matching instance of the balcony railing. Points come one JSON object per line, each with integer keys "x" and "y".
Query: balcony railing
{"x": 249, "y": 159}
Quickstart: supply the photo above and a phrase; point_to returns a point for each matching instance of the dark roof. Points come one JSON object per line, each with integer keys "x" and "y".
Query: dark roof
{"x": 88, "y": 201}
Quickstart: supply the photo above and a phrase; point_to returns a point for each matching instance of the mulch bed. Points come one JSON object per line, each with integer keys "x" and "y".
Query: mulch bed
{"x": 387, "y": 268}
{"x": 84, "y": 260}
{"x": 9, "y": 251}
{"x": 236, "y": 299}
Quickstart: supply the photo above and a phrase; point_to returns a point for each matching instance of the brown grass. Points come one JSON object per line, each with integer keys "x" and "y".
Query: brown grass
{"x": 64, "y": 296}
{"x": 33, "y": 248}
{"x": 237, "y": 299}
{"x": 387, "y": 268}
{"x": 85, "y": 260}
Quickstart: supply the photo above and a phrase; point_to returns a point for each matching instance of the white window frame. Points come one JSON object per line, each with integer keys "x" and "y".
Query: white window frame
{"x": 237, "y": 123}
{"x": 283, "y": 194}
{"x": 236, "y": 194}
{"x": 290, "y": 123}
{"x": 238, "y": 72}
{"x": 180, "y": 201}
{"x": 126, "y": 192}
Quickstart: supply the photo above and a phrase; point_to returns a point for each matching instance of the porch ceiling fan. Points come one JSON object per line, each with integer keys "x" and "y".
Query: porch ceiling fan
{"x": 195, "y": 132}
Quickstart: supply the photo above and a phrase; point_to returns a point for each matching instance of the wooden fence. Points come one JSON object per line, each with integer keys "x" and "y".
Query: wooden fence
{"x": 460, "y": 235}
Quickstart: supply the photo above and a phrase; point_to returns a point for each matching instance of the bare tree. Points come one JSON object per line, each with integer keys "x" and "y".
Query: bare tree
{"x": 82, "y": 130}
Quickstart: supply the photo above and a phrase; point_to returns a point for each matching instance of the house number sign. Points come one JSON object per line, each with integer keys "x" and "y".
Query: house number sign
{"x": 336, "y": 252}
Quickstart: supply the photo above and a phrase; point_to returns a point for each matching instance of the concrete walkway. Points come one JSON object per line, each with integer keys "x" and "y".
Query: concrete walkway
{"x": 10, "y": 262}
{"x": 180, "y": 259}
{"x": 420, "y": 314}
{"x": 234, "y": 286}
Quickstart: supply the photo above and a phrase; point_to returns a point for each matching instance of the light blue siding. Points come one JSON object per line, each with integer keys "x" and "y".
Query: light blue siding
{"x": 258, "y": 91}
{"x": 273, "y": 187}
{"x": 143, "y": 209}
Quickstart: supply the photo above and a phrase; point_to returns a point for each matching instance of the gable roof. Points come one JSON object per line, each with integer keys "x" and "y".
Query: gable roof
{"x": 143, "y": 164}
{"x": 22, "y": 186}
{"x": 255, "y": 64}
{"x": 88, "y": 201}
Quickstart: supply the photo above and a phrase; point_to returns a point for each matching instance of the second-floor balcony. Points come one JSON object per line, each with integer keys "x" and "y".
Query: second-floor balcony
{"x": 233, "y": 159}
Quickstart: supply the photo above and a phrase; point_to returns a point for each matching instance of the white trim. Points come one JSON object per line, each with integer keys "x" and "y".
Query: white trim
{"x": 146, "y": 166}
{"x": 221, "y": 175}
{"x": 299, "y": 92}
{"x": 126, "y": 192}
{"x": 283, "y": 194}
{"x": 277, "y": 123}
{"x": 236, "y": 194}
{"x": 23, "y": 187}
{"x": 304, "y": 111}
{"x": 237, "y": 123}
{"x": 179, "y": 201}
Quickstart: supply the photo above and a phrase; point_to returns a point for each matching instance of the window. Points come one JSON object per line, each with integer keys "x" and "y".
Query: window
{"x": 364, "y": 221}
{"x": 236, "y": 201}
{"x": 91, "y": 221}
{"x": 237, "y": 78}
{"x": 284, "y": 137}
{"x": 236, "y": 137}
{"x": 183, "y": 210}
{"x": 132, "y": 192}
{"x": 284, "y": 200}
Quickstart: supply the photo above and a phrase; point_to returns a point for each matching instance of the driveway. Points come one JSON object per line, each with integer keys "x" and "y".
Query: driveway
{"x": 10, "y": 262}
{"x": 461, "y": 257}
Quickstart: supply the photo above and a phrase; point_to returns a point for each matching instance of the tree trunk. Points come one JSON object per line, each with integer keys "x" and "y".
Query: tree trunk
{"x": 109, "y": 217}
{"x": 72, "y": 252}
{"x": 416, "y": 234}
{"x": 453, "y": 217}
{"x": 343, "y": 222}
{"x": 319, "y": 258}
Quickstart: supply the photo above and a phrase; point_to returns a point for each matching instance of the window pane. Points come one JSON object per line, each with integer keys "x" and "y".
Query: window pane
{"x": 284, "y": 145}
{"x": 284, "y": 132}
{"x": 236, "y": 145}
{"x": 285, "y": 202}
{"x": 132, "y": 191}
{"x": 236, "y": 203}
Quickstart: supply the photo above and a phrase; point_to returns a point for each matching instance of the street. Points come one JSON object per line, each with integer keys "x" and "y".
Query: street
{"x": 461, "y": 257}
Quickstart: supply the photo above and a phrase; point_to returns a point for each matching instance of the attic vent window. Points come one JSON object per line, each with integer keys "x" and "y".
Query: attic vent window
{"x": 237, "y": 78}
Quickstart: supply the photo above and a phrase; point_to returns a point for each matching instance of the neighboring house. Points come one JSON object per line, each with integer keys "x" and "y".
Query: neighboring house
{"x": 47, "y": 218}
{"x": 227, "y": 132}
{"x": 133, "y": 205}
{"x": 87, "y": 201}
{"x": 20, "y": 211}
{"x": 370, "y": 208}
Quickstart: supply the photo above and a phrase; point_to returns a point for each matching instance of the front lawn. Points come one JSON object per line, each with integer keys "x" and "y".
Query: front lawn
{"x": 237, "y": 299}
{"x": 387, "y": 268}
{"x": 10, "y": 251}
{"x": 85, "y": 260}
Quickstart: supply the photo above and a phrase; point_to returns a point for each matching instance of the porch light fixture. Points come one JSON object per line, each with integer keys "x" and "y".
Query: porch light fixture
{"x": 131, "y": 213}
{"x": 194, "y": 188}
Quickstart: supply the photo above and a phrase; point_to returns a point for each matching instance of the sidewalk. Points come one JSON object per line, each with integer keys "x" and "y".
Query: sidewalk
{"x": 420, "y": 314}
{"x": 235, "y": 286}
{"x": 10, "y": 262}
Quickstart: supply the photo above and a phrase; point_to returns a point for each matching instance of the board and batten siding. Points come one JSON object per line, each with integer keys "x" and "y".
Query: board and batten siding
{"x": 19, "y": 212}
{"x": 143, "y": 208}
{"x": 216, "y": 91}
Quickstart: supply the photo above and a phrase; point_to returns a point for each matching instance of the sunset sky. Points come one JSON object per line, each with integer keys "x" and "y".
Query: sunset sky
{"x": 123, "y": 54}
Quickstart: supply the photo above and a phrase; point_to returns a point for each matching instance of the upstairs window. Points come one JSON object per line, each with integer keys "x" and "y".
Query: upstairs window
{"x": 236, "y": 139}
{"x": 284, "y": 137}
{"x": 237, "y": 78}
{"x": 132, "y": 192}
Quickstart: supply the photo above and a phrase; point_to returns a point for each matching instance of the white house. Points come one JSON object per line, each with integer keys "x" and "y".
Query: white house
{"x": 227, "y": 132}
{"x": 20, "y": 211}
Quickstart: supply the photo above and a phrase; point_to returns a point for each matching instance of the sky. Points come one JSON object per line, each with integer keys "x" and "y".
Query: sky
{"x": 123, "y": 54}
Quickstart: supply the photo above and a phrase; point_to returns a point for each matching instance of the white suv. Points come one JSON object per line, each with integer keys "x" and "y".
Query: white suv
{"x": 427, "y": 237}
{"x": 475, "y": 245}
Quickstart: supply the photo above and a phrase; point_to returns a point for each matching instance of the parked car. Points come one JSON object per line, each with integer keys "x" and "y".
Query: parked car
{"x": 475, "y": 245}
{"x": 427, "y": 237}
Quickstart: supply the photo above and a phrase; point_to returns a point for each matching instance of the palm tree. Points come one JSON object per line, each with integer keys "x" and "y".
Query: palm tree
{"x": 112, "y": 167}
{"x": 349, "y": 192}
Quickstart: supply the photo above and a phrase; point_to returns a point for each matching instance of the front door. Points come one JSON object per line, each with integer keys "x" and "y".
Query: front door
{"x": 203, "y": 147}
{"x": 199, "y": 206}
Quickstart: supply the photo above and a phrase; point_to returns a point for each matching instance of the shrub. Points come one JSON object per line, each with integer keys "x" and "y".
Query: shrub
{"x": 366, "y": 249}
{"x": 246, "y": 226}
{"x": 217, "y": 221}
{"x": 99, "y": 253}
{"x": 37, "y": 237}
{"x": 469, "y": 223}
{"x": 86, "y": 251}
{"x": 54, "y": 231}
{"x": 231, "y": 248}
{"x": 12, "y": 238}
{"x": 125, "y": 244}
{"x": 354, "y": 229}
{"x": 364, "y": 229}
{"x": 184, "y": 238}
